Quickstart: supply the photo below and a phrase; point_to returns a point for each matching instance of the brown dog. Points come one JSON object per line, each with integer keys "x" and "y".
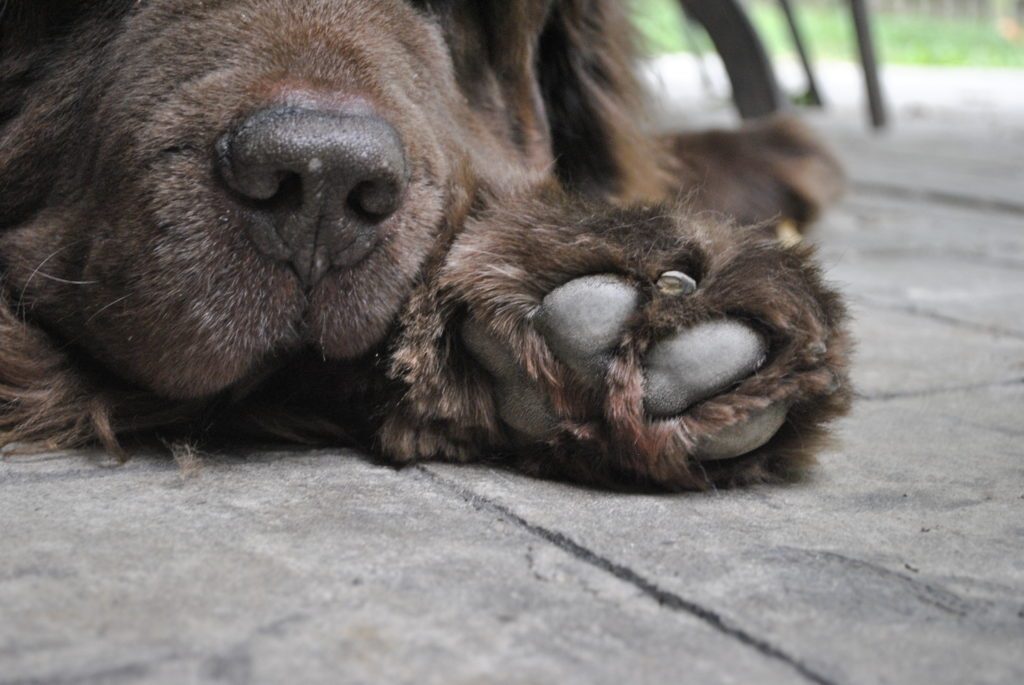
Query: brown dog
{"x": 432, "y": 228}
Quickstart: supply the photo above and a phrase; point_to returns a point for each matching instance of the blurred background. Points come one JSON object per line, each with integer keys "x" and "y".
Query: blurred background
{"x": 955, "y": 60}
{"x": 949, "y": 33}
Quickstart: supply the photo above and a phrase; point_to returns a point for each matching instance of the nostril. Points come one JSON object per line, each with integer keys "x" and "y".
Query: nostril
{"x": 286, "y": 199}
{"x": 374, "y": 200}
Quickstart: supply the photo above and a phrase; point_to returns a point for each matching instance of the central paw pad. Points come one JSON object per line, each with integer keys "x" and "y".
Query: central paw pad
{"x": 583, "y": 323}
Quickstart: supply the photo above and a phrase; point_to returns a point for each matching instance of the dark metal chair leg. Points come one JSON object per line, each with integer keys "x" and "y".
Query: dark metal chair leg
{"x": 866, "y": 45}
{"x": 702, "y": 66}
{"x": 755, "y": 89}
{"x": 813, "y": 95}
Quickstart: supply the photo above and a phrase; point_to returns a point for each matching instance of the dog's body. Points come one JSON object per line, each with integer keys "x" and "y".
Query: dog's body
{"x": 373, "y": 222}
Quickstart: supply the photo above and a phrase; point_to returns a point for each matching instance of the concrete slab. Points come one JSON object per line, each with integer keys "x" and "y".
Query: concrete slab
{"x": 901, "y": 354}
{"x": 313, "y": 568}
{"x": 934, "y": 166}
{"x": 985, "y": 296}
{"x": 868, "y": 224}
{"x": 902, "y": 561}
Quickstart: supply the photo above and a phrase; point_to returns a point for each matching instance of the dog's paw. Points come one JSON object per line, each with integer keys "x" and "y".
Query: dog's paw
{"x": 584, "y": 323}
{"x": 638, "y": 346}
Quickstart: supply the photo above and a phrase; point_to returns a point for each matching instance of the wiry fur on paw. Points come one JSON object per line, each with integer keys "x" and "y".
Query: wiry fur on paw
{"x": 512, "y": 255}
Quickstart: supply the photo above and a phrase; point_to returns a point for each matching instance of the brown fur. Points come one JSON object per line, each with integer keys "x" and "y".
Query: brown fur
{"x": 132, "y": 305}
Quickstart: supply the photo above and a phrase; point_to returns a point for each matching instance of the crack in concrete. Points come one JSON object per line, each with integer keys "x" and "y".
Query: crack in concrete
{"x": 234, "y": 665}
{"x": 961, "y": 421}
{"x": 915, "y": 310}
{"x": 842, "y": 252}
{"x": 126, "y": 673}
{"x": 929, "y": 392}
{"x": 931, "y": 594}
{"x": 663, "y": 597}
{"x": 939, "y": 196}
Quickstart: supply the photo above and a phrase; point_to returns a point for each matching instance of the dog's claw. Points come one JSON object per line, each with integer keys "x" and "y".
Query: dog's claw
{"x": 745, "y": 437}
{"x": 699, "y": 363}
{"x": 676, "y": 284}
{"x": 582, "y": 322}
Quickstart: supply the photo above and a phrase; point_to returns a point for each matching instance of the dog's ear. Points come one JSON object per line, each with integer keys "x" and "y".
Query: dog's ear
{"x": 31, "y": 26}
{"x": 586, "y": 62}
{"x": 43, "y": 398}
{"x": 50, "y": 399}
{"x": 493, "y": 47}
{"x": 44, "y": 401}
{"x": 36, "y": 92}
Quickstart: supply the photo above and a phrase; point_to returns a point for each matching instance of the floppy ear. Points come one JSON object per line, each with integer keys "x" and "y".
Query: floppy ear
{"x": 31, "y": 29}
{"x": 51, "y": 398}
{"x": 30, "y": 20}
{"x": 586, "y": 62}
{"x": 34, "y": 40}
{"x": 44, "y": 401}
{"x": 44, "y": 397}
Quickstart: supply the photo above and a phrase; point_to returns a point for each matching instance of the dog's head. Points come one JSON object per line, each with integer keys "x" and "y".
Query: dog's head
{"x": 192, "y": 189}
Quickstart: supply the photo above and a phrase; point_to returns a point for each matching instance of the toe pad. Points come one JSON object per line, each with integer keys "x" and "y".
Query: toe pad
{"x": 520, "y": 403}
{"x": 699, "y": 363}
{"x": 582, "y": 322}
{"x": 744, "y": 437}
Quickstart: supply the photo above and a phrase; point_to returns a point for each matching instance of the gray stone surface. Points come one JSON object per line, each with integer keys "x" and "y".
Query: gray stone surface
{"x": 890, "y": 359}
{"x": 901, "y": 560}
{"x": 313, "y": 568}
{"x": 865, "y": 224}
{"x": 987, "y": 296}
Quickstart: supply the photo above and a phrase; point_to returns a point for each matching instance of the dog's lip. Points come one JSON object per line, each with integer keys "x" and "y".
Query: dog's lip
{"x": 334, "y": 274}
{"x": 335, "y": 270}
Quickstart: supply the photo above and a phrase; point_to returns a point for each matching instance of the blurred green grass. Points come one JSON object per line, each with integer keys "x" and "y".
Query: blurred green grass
{"x": 902, "y": 39}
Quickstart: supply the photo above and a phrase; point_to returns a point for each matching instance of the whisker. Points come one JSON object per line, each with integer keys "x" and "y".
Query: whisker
{"x": 24, "y": 289}
{"x": 39, "y": 266}
{"x": 107, "y": 306}
{"x": 62, "y": 280}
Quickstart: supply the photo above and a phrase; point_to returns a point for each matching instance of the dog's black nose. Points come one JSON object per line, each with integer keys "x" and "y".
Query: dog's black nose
{"x": 314, "y": 184}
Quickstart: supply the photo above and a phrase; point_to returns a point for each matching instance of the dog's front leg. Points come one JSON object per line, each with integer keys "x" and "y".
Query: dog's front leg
{"x": 622, "y": 346}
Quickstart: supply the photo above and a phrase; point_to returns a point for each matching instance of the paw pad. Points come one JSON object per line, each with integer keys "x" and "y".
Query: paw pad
{"x": 698, "y": 363}
{"x": 745, "y": 437}
{"x": 520, "y": 403}
{"x": 583, "y": 323}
